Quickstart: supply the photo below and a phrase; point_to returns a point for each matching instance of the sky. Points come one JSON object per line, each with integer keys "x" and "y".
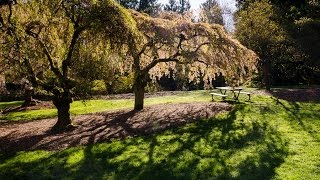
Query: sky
{"x": 228, "y": 4}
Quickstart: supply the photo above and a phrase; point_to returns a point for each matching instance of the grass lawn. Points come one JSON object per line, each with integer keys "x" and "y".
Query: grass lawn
{"x": 260, "y": 140}
{"x": 91, "y": 106}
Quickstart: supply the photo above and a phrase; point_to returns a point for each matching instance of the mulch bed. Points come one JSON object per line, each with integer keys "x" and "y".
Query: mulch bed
{"x": 98, "y": 127}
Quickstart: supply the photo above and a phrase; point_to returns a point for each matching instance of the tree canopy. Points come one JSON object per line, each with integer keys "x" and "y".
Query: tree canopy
{"x": 45, "y": 34}
{"x": 285, "y": 35}
{"x": 174, "y": 38}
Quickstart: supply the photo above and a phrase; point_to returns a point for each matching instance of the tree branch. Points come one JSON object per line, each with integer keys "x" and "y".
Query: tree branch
{"x": 54, "y": 69}
{"x": 164, "y": 60}
{"x": 67, "y": 61}
{"x": 30, "y": 72}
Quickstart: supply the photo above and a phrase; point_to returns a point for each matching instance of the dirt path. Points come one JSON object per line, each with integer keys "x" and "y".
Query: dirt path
{"x": 99, "y": 127}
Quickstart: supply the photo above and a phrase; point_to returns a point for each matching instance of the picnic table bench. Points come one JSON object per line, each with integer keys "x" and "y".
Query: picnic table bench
{"x": 217, "y": 94}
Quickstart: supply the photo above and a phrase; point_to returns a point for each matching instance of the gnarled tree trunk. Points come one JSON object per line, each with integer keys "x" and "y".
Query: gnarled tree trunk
{"x": 64, "y": 121}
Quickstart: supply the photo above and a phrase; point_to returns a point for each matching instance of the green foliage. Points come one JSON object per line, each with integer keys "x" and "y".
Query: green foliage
{"x": 285, "y": 35}
{"x": 266, "y": 139}
{"x": 99, "y": 87}
{"x": 5, "y": 105}
{"x": 123, "y": 84}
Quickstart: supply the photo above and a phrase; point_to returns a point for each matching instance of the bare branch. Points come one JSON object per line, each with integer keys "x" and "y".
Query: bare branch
{"x": 30, "y": 72}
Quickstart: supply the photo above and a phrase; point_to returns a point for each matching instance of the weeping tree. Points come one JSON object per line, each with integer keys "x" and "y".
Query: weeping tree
{"x": 46, "y": 35}
{"x": 174, "y": 39}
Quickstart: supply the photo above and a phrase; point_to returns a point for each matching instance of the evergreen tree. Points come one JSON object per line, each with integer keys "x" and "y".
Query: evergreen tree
{"x": 184, "y": 6}
{"x": 171, "y": 6}
{"x": 211, "y": 12}
{"x": 180, "y": 7}
{"x": 130, "y": 4}
{"x": 150, "y": 7}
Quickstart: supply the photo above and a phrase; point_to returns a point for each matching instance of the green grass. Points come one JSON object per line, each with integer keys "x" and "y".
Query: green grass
{"x": 265, "y": 139}
{"x": 91, "y": 106}
{"x": 4, "y": 105}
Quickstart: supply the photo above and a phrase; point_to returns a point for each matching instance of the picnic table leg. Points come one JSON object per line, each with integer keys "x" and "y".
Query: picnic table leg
{"x": 224, "y": 93}
{"x": 236, "y": 96}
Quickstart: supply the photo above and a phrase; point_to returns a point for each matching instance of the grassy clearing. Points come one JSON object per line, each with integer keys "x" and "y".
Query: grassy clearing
{"x": 91, "y": 106}
{"x": 260, "y": 140}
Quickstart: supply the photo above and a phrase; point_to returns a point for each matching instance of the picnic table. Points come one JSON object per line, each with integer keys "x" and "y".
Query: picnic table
{"x": 236, "y": 91}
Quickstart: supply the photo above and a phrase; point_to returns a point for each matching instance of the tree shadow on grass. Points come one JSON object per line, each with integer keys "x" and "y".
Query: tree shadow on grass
{"x": 230, "y": 146}
{"x": 297, "y": 95}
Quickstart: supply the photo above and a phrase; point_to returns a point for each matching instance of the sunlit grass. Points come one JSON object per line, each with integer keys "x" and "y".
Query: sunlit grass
{"x": 92, "y": 106}
{"x": 4, "y": 105}
{"x": 263, "y": 139}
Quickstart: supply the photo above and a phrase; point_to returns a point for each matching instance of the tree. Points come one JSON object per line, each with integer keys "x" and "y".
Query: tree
{"x": 284, "y": 35}
{"x": 45, "y": 38}
{"x": 181, "y": 6}
{"x": 184, "y": 6}
{"x": 130, "y": 4}
{"x": 258, "y": 31}
{"x": 211, "y": 12}
{"x": 150, "y": 7}
{"x": 172, "y": 6}
{"x": 178, "y": 40}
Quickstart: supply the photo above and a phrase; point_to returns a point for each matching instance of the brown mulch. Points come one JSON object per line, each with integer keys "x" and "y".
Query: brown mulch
{"x": 99, "y": 127}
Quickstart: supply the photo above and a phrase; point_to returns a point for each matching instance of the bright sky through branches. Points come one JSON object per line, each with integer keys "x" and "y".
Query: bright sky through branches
{"x": 225, "y": 4}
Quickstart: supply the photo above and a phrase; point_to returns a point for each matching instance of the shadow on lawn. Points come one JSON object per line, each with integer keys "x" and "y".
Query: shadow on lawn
{"x": 297, "y": 95}
{"x": 234, "y": 146}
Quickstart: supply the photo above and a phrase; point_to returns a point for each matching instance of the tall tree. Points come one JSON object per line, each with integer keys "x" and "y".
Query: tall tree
{"x": 130, "y": 4}
{"x": 45, "y": 38}
{"x": 211, "y": 12}
{"x": 150, "y": 7}
{"x": 184, "y": 6}
{"x": 180, "y": 6}
{"x": 284, "y": 34}
{"x": 179, "y": 41}
{"x": 172, "y": 6}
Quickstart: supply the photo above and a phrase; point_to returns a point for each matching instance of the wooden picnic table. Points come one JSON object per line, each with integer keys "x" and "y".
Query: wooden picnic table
{"x": 236, "y": 91}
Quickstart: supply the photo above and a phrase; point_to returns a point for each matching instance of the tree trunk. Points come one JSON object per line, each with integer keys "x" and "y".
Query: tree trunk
{"x": 28, "y": 100}
{"x": 64, "y": 121}
{"x": 138, "y": 97}
{"x": 266, "y": 74}
{"x": 140, "y": 82}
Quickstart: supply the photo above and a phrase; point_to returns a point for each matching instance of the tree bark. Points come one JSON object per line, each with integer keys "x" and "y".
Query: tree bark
{"x": 28, "y": 100}
{"x": 140, "y": 82}
{"x": 64, "y": 121}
